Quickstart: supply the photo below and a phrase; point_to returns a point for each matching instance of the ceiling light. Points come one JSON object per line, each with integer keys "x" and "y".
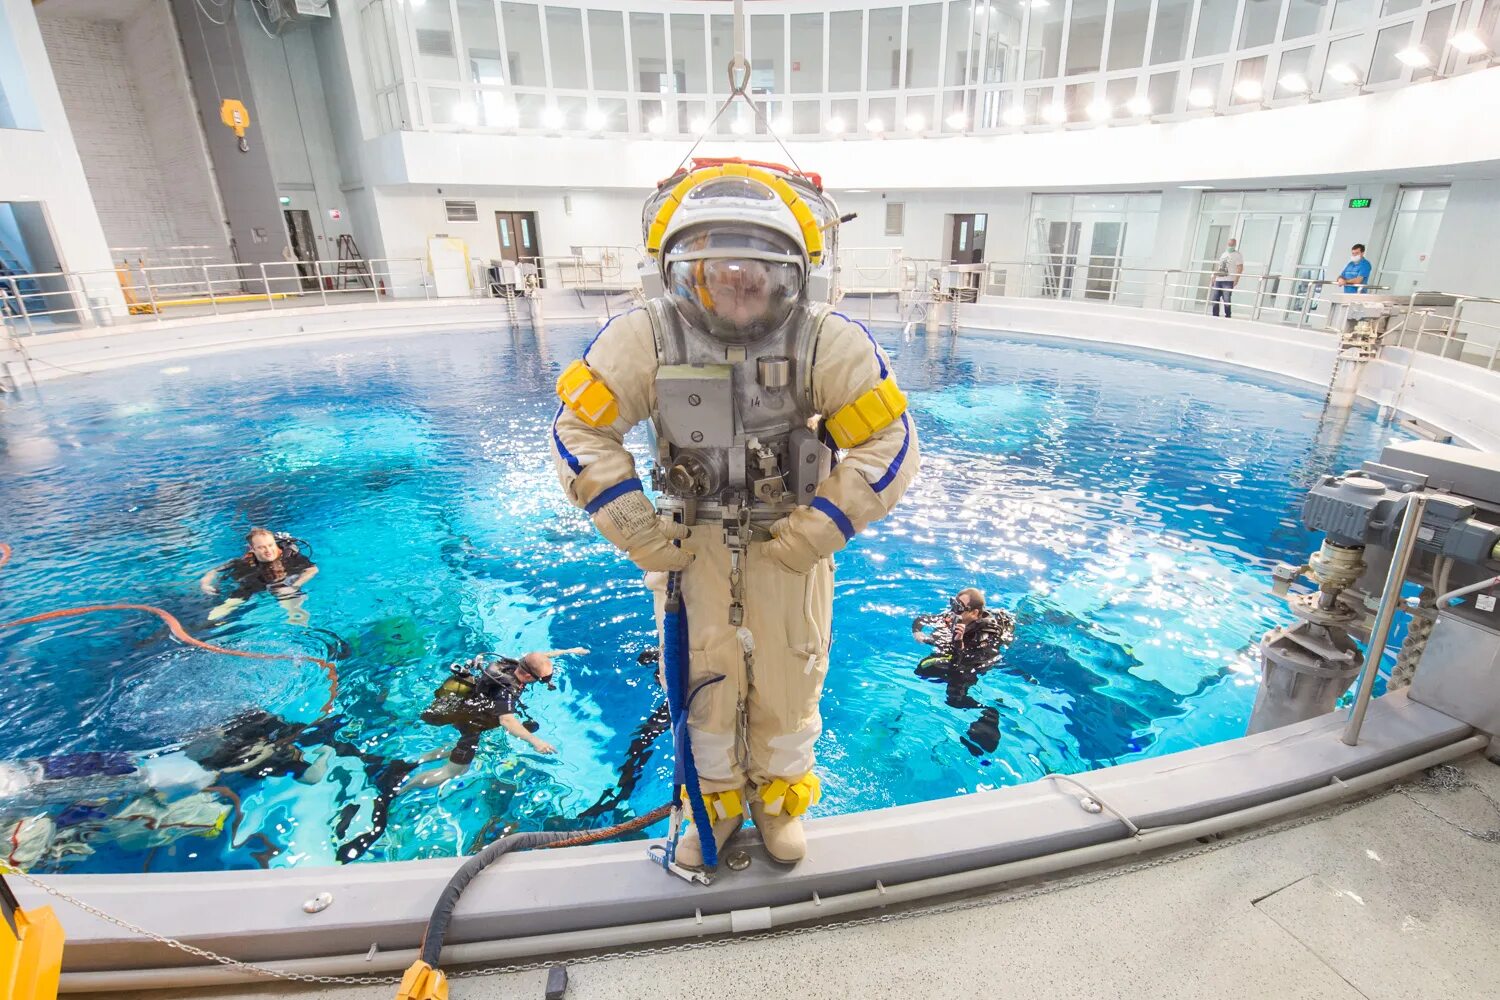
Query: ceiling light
{"x": 1469, "y": 43}
{"x": 698, "y": 124}
{"x": 835, "y": 126}
{"x": 1415, "y": 56}
{"x": 739, "y": 126}
{"x": 657, "y": 125}
{"x": 1014, "y": 115}
{"x": 1249, "y": 90}
{"x": 464, "y": 113}
{"x": 1054, "y": 114}
{"x": 1139, "y": 106}
{"x": 1100, "y": 111}
{"x": 594, "y": 121}
{"x": 1294, "y": 83}
{"x": 1200, "y": 97}
{"x": 957, "y": 121}
{"x": 553, "y": 118}
{"x": 1196, "y": 187}
{"x": 916, "y": 121}
{"x": 1343, "y": 73}
{"x": 875, "y": 126}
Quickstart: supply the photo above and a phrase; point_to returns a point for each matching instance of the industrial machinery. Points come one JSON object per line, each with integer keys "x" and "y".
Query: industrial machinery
{"x": 1419, "y": 532}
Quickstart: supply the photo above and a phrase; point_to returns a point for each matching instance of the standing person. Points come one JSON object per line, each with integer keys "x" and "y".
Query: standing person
{"x": 273, "y": 563}
{"x": 732, "y": 365}
{"x": 1356, "y": 274}
{"x": 1227, "y": 271}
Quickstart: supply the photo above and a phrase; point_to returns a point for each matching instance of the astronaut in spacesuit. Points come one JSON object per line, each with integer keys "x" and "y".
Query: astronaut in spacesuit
{"x": 779, "y": 433}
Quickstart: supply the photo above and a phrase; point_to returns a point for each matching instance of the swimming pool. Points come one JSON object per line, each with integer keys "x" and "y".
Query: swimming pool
{"x": 1127, "y": 507}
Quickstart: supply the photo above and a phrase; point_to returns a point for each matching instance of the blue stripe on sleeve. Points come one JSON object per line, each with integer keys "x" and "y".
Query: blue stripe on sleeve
{"x": 884, "y": 372}
{"x": 614, "y": 492}
{"x": 895, "y": 466}
{"x": 562, "y": 449}
{"x": 838, "y": 517}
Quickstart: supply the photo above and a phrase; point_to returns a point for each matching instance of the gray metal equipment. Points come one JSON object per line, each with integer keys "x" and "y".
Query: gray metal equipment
{"x": 1449, "y": 499}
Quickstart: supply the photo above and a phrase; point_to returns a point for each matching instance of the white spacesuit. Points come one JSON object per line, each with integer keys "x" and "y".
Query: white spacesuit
{"x": 752, "y": 391}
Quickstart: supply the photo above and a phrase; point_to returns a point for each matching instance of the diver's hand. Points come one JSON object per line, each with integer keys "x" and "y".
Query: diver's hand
{"x": 632, "y": 525}
{"x": 542, "y": 746}
{"x": 206, "y": 584}
{"x": 788, "y": 549}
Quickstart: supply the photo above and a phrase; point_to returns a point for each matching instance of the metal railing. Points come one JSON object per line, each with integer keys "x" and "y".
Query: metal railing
{"x": 1460, "y": 327}
{"x": 52, "y": 301}
{"x": 603, "y": 269}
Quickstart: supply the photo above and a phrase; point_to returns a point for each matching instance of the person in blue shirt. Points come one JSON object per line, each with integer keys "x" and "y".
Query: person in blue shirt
{"x": 1356, "y": 275}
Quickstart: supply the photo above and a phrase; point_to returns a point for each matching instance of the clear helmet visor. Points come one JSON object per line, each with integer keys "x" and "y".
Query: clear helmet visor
{"x": 735, "y": 284}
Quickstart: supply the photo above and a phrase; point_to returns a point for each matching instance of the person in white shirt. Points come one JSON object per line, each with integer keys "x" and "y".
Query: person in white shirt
{"x": 1227, "y": 271}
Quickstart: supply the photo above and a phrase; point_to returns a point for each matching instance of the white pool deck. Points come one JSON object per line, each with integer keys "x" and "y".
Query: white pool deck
{"x": 1383, "y": 901}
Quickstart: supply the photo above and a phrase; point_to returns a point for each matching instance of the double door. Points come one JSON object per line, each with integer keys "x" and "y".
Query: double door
{"x": 1081, "y": 258}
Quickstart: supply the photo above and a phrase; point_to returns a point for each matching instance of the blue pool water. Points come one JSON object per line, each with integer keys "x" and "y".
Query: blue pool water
{"x": 1127, "y": 507}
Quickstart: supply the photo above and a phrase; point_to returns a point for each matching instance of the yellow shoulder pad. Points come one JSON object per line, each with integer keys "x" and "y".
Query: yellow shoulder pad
{"x": 585, "y": 393}
{"x": 868, "y": 415}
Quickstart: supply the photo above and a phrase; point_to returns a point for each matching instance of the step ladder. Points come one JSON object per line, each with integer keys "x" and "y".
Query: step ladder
{"x": 354, "y": 270}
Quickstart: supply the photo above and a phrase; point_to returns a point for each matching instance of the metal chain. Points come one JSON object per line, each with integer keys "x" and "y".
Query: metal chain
{"x": 977, "y": 902}
{"x": 1448, "y": 778}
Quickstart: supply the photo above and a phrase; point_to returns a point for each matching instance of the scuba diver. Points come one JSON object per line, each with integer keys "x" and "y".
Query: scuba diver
{"x": 480, "y": 694}
{"x": 735, "y": 361}
{"x": 967, "y": 640}
{"x": 274, "y": 563}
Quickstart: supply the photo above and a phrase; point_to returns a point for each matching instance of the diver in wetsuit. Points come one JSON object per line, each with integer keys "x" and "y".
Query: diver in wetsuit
{"x": 968, "y": 640}
{"x": 274, "y": 563}
{"x": 482, "y": 693}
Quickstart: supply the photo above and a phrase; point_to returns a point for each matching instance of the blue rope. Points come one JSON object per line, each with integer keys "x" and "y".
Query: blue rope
{"x": 684, "y": 768}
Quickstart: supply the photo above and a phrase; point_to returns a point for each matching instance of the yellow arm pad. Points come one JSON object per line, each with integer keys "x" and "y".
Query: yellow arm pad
{"x": 868, "y": 415}
{"x": 586, "y": 395}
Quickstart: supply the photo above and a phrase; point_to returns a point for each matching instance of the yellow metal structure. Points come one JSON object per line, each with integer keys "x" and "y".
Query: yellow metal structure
{"x": 422, "y": 982}
{"x": 31, "y": 946}
{"x": 233, "y": 114}
{"x": 812, "y": 235}
{"x": 868, "y": 415}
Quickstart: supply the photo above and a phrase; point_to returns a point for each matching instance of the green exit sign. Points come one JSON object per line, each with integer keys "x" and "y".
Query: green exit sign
{"x": 1359, "y": 203}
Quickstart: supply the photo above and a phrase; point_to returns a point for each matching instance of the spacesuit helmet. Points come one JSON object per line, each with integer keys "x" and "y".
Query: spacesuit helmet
{"x": 734, "y": 259}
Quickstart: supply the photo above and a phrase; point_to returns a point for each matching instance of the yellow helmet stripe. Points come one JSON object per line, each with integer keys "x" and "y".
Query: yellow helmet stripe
{"x": 812, "y": 235}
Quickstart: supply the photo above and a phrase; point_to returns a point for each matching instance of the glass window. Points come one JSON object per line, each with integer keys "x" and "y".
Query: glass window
{"x": 1435, "y": 39}
{"x": 648, "y": 48}
{"x": 1215, "y": 23}
{"x": 1086, "y": 36}
{"x": 805, "y": 115}
{"x": 613, "y": 110}
{"x": 1259, "y": 24}
{"x": 1292, "y": 79}
{"x": 954, "y": 103}
{"x": 481, "y": 39}
{"x": 1384, "y": 66}
{"x": 845, "y": 31}
{"x": 1076, "y": 98}
{"x": 882, "y": 111}
{"x": 1398, "y": 7}
{"x": 1117, "y": 92}
{"x": 1249, "y": 81}
{"x": 565, "y": 43}
{"x": 807, "y": 54}
{"x": 962, "y": 48}
{"x": 767, "y": 54}
{"x": 1043, "y": 41}
{"x": 1303, "y": 17}
{"x": 884, "y": 66}
{"x": 437, "y": 59}
{"x": 607, "y": 49}
{"x": 1169, "y": 37}
{"x": 924, "y": 26}
{"x": 843, "y": 115}
{"x": 445, "y": 106}
{"x": 1205, "y": 80}
{"x": 1352, "y": 13}
{"x": 688, "y": 60}
{"x": 1486, "y": 29}
{"x": 1351, "y": 54}
{"x": 721, "y": 36}
{"x": 1127, "y": 33}
{"x": 523, "y": 43}
{"x": 1328, "y": 201}
{"x": 1161, "y": 92}
{"x": 919, "y": 114}
{"x": 1002, "y": 26}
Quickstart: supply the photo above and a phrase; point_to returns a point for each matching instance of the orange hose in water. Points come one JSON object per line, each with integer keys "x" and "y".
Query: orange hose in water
{"x": 177, "y": 630}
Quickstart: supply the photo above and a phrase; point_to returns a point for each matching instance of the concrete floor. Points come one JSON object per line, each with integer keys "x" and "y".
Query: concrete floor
{"x": 1384, "y": 901}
